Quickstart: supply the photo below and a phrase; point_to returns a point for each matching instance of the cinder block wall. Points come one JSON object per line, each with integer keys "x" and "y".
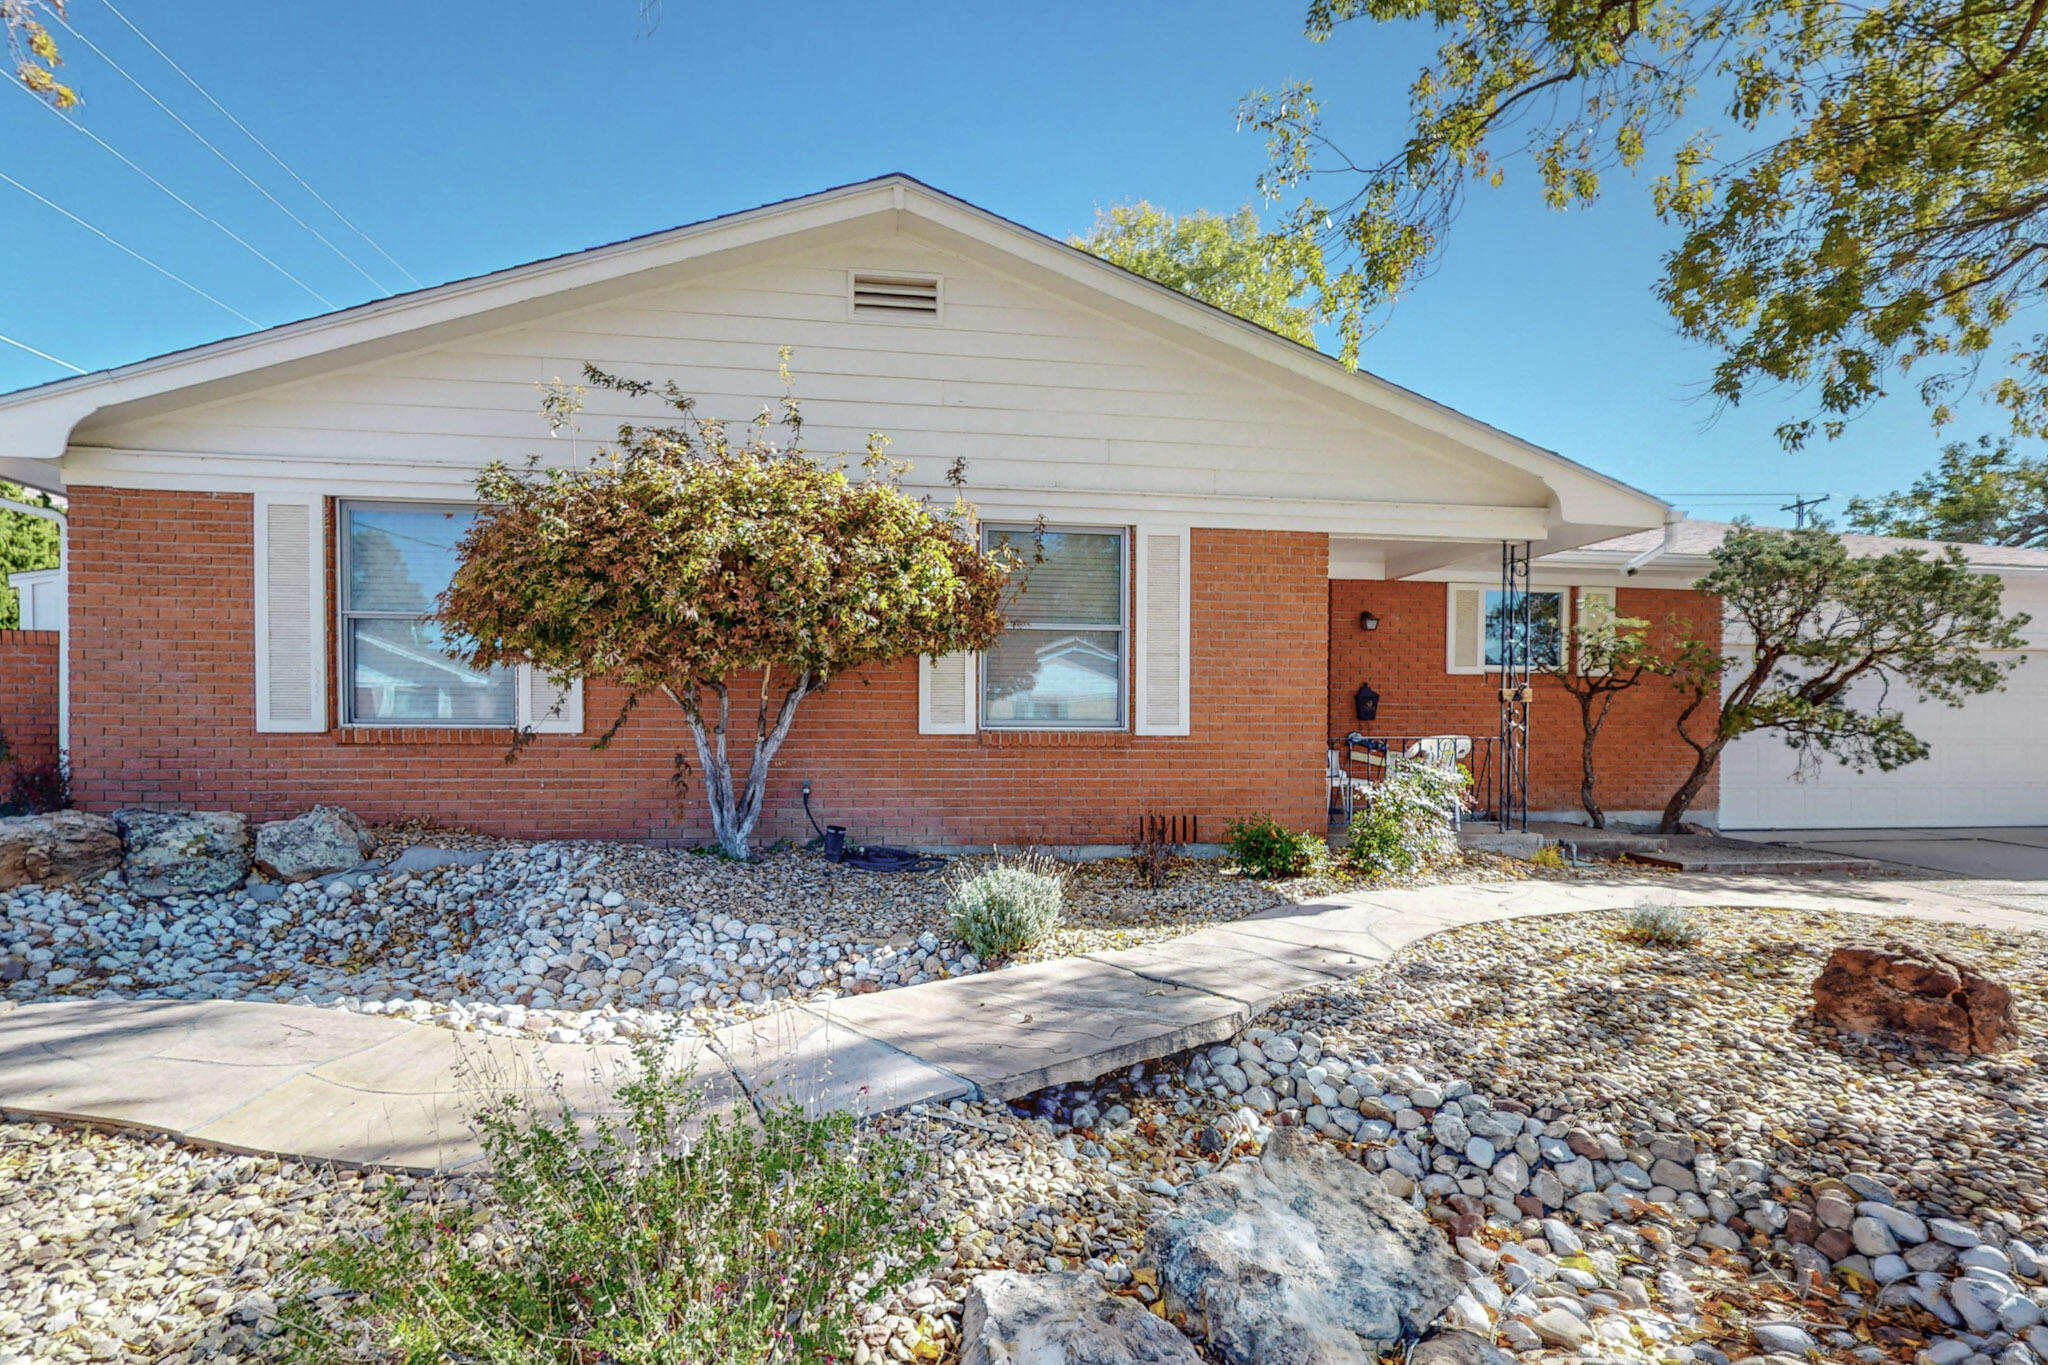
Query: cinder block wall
{"x": 164, "y": 703}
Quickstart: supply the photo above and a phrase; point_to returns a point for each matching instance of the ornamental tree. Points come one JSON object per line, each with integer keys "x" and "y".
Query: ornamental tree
{"x": 1830, "y": 636}
{"x": 688, "y": 564}
{"x": 1611, "y": 654}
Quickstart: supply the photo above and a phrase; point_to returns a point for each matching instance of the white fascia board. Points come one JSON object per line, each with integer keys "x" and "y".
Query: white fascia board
{"x": 44, "y": 476}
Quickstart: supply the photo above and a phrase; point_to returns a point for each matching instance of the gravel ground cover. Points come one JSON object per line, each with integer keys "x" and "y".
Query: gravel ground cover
{"x": 585, "y": 940}
{"x": 1645, "y": 1155}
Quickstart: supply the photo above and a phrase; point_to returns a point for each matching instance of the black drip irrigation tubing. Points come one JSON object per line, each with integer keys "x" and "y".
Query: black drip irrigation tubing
{"x": 873, "y": 857}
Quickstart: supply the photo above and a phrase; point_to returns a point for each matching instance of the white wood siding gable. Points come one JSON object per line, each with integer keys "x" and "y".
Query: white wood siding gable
{"x": 1056, "y": 408}
{"x": 1071, "y": 388}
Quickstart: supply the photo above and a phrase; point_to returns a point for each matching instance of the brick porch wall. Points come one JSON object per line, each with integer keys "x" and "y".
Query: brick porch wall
{"x": 28, "y": 700}
{"x": 1640, "y": 758}
{"x": 164, "y": 704}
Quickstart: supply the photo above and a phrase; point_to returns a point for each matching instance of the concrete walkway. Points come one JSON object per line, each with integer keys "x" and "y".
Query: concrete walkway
{"x": 327, "y": 1085}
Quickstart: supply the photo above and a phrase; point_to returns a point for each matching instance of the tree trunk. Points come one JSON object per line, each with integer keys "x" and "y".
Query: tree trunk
{"x": 1586, "y": 797}
{"x": 735, "y": 811}
{"x": 1589, "y": 726}
{"x": 1674, "y": 809}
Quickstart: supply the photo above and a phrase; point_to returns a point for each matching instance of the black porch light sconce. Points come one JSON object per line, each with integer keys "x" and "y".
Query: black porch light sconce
{"x": 1367, "y": 621}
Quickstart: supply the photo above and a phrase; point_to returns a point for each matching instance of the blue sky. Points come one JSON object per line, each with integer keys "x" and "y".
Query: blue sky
{"x": 468, "y": 136}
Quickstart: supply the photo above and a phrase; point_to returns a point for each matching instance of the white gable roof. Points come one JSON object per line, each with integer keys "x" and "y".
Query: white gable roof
{"x": 84, "y": 429}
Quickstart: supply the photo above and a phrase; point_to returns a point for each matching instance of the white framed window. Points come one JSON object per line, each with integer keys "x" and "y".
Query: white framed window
{"x": 1063, "y": 663}
{"x": 396, "y": 559}
{"x": 1477, "y": 621}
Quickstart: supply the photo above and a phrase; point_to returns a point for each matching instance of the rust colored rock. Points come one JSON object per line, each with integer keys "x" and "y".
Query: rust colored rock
{"x": 63, "y": 846}
{"x": 1914, "y": 993}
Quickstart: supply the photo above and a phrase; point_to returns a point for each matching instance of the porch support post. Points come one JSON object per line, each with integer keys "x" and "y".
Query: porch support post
{"x": 1517, "y": 650}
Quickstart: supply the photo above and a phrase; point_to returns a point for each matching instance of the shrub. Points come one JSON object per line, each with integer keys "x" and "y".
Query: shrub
{"x": 1662, "y": 926}
{"x": 1009, "y": 906}
{"x": 1263, "y": 847}
{"x": 660, "y": 1235}
{"x": 1407, "y": 824}
{"x": 1550, "y": 856}
{"x": 36, "y": 790}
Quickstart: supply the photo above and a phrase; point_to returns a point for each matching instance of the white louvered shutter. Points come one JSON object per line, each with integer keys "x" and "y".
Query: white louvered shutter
{"x": 945, "y": 695}
{"x": 545, "y": 708}
{"x": 1162, "y": 647}
{"x": 291, "y": 613}
{"x": 1465, "y": 630}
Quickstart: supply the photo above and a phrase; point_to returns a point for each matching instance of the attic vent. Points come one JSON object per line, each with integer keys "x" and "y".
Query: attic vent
{"x": 900, "y": 295}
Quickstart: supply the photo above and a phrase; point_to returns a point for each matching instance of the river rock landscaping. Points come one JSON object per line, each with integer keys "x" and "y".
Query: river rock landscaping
{"x": 595, "y": 941}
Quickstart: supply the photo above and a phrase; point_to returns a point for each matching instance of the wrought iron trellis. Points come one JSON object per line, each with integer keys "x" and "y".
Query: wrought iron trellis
{"x": 1511, "y": 623}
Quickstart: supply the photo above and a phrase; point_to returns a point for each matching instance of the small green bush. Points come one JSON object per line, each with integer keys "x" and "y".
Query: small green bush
{"x": 662, "y": 1235}
{"x": 1263, "y": 847}
{"x": 1406, "y": 825}
{"x": 1009, "y": 906}
{"x": 1663, "y": 926}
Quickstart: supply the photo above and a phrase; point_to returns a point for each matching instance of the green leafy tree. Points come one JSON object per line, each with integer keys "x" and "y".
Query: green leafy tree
{"x": 1985, "y": 493}
{"x": 686, "y": 563}
{"x": 1882, "y": 205}
{"x": 1272, "y": 278}
{"x": 1833, "y": 636}
{"x": 26, "y": 543}
{"x": 1611, "y": 654}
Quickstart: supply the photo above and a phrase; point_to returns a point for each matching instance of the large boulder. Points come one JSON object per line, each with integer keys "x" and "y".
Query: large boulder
{"x": 1064, "y": 1319}
{"x": 1910, "y": 992}
{"x": 323, "y": 841}
{"x": 1300, "y": 1258}
{"x": 62, "y": 846}
{"x": 173, "y": 853}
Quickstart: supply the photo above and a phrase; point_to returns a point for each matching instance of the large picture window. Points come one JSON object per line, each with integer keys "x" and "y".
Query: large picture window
{"x": 1061, "y": 663}
{"x": 396, "y": 558}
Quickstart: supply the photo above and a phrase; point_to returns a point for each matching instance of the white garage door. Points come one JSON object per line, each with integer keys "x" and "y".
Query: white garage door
{"x": 1988, "y": 765}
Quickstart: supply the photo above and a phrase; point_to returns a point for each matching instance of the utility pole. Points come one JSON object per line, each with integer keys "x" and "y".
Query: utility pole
{"x": 1797, "y": 507}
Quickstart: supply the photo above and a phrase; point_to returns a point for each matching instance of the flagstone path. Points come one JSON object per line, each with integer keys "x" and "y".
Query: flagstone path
{"x": 328, "y": 1085}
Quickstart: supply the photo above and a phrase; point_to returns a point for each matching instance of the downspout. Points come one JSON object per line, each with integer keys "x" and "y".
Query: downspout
{"x": 1672, "y": 518}
{"x": 64, "y": 634}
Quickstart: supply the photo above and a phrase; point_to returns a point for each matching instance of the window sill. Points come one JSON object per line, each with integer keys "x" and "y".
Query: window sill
{"x": 1055, "y": 739}
{"x": 425, "y": 734}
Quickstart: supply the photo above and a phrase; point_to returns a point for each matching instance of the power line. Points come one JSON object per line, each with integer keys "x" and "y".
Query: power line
{"x": 260, "y": 143}
{"x": 23, "y": 345}
{"x": 183, "y": 202}
{"x": 169, "y": 274}
{"x": 225, "y": 159}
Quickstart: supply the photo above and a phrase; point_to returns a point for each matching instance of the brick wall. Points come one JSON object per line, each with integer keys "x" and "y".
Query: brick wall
{"x": 163, "y": 708}
{"x": 28, "y": 700}
{"x": 1640, "y": 760}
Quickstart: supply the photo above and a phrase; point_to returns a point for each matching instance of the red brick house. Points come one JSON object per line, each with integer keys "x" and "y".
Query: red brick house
{"x": 257, "y": 525}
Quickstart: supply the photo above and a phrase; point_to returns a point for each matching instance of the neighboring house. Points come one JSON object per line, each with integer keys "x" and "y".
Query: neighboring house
{"x": 1988, "y": 759}
{"x": 258, "y": 525}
